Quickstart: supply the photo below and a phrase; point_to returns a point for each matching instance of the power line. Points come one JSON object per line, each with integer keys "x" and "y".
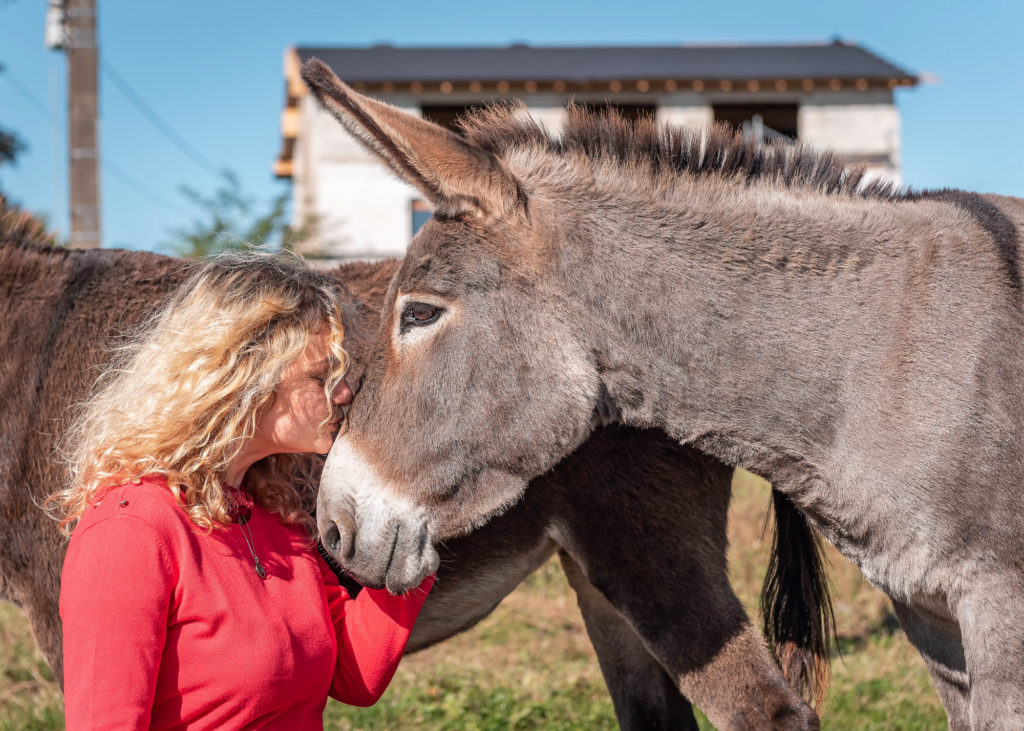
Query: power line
{"x": 157, "y": 121}
{"x": 25, "y": 93}
{"x": 142, "y": 189}
{"x": 108, "y": 166}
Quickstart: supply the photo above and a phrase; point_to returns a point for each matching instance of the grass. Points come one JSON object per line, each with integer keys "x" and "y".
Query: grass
{"x": 29, "y": 697}
{"x": 530, "y": 666}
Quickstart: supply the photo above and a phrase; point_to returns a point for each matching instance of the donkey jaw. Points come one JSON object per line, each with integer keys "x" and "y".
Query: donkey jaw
{"x": 380, "y": 540}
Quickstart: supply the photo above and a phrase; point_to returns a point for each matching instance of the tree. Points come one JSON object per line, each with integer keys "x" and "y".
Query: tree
{"x": 233, "y": 219}
{"x": 10, "y": 146}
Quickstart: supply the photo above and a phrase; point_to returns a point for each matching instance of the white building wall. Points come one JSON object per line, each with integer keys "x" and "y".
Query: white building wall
{"x": 684, "y": 109}
{"x": 863, "y": 126}
{"x": 363, "y": 210}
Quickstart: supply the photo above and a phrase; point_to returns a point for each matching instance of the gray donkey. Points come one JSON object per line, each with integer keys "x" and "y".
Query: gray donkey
{"x": 860, "y": 347}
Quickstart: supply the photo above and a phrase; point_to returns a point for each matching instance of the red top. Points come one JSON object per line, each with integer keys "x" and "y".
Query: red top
{"x": 168, "y": 626}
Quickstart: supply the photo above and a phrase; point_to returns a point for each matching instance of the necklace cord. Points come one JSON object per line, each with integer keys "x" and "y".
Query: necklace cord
{"x": 243, "y": 523}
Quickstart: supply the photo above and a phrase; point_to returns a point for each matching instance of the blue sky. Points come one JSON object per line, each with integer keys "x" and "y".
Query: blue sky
{"x": 212, "y": 70}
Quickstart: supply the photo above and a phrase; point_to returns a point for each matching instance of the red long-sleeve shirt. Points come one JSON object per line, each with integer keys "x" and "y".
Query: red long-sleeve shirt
{"x": 168, "y": 626}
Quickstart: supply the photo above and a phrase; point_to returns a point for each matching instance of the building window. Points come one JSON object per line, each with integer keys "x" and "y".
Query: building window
{"x": 766, "y": 121}
{"x": 421, "y": 213}
{"x": 448, "y": 116}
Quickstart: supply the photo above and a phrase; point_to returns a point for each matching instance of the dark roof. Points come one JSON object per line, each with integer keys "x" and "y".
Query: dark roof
{"x": 379, "y": 64}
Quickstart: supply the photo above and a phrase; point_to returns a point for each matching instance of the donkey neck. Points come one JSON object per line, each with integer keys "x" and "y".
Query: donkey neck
{"x": 731, "y": 317}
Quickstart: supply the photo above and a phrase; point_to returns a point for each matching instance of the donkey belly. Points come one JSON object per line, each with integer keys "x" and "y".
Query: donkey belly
{"x": 894, "y": 542}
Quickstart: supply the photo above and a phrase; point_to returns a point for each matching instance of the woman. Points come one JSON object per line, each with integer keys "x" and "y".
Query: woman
{"x": 192, "y": 594}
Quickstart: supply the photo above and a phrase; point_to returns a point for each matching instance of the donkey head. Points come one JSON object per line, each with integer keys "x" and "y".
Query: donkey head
{"x": 477, "y": 381}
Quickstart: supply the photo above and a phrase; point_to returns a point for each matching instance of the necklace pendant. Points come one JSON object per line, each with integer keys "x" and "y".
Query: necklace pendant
{"x": 262, "y": 572}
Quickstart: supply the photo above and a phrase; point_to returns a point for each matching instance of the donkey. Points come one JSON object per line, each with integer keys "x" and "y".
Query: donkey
{"x": 658, "y": 628}
{"x": 859, "y": 346}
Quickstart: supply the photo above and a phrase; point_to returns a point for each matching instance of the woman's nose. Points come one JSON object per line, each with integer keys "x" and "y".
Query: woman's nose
{"x": 342, "y": 393}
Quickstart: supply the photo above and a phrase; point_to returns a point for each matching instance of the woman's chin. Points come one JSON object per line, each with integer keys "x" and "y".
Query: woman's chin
{"x": 323, "y": 445}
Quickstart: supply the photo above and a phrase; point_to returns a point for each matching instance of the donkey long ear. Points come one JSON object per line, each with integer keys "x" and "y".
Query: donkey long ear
{"x": 455, "y": 176}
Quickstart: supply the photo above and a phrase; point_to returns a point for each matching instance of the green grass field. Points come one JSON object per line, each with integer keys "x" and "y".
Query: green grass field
{"x": 529, "y": 665}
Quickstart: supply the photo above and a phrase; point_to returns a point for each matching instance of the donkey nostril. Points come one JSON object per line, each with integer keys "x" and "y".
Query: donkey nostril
{"x": 332, "y": 539}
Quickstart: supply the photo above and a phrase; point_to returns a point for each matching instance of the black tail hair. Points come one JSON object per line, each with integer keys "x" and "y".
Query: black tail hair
{"x": 798, "y": 620}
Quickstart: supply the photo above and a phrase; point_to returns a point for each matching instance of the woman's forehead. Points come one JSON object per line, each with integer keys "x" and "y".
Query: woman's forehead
{"x": 316, "y": 353}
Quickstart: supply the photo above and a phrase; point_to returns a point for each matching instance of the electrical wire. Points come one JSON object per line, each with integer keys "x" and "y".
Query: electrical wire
{"x": 108, "y": 167}
{"x": 157, "y": 121}
{"x": 25, "y": 92}
{"x": 141, "y": 188}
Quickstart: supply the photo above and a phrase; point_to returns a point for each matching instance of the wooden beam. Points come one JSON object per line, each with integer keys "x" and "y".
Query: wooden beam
{"x": 283, "y": 168}
{"x": 290, "y": 122}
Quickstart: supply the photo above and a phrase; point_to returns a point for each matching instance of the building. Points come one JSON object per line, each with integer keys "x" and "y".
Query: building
{"x": 836, "y": 95}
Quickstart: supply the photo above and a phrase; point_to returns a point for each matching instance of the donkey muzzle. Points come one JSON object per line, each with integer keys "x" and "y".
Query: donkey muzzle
{"x": 397, "y": 557}
{"x": 381, "y": 540}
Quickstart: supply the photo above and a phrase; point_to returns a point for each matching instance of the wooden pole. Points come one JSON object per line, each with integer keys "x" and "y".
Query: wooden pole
{"x": 83, "y": 139}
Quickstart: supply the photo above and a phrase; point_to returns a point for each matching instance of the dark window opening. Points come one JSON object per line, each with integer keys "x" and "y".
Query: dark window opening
{"x": 775, "y": 119}
{"x": 631, "y": 112}
{"x": 448, "y": 116}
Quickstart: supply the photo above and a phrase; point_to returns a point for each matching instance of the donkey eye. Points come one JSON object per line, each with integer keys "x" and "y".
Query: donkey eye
{"x": 420, "y": 313}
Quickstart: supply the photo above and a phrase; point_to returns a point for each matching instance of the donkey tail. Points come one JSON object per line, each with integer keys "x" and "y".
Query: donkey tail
{"x": 798, "y": 620}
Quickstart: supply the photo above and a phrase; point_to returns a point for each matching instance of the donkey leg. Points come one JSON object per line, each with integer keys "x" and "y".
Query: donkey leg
{"x": 939, "y": 643}
{"x": 715, "y": 657}
{"x": 647, "y": 528}
{"x": 992, "y": 625}
{"x": 644, "y": 695}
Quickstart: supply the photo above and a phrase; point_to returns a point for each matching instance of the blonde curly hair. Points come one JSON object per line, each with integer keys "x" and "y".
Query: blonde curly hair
{"x": 184, "y": 393}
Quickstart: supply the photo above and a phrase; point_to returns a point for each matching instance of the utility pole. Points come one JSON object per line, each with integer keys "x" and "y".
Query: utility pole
{"x": 80, "y": 44}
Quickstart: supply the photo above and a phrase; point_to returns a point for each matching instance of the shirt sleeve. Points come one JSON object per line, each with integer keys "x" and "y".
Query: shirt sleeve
{"x": 372, "y": 630}
{"x": 116, "y": 589}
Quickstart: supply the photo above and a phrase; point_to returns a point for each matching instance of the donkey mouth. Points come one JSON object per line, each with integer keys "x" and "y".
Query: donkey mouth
{"x": 391, "y": 561}
{"x": 388, "y": 565}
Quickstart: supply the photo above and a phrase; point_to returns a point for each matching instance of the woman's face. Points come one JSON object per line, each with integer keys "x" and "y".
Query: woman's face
{"x": 291, "y": 422}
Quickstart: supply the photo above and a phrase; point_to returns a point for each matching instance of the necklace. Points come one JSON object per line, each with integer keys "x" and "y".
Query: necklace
{"x": 243, "y": 522}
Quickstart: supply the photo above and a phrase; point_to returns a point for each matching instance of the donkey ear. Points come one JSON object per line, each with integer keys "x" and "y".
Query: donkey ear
{"x": 456, "y": 176}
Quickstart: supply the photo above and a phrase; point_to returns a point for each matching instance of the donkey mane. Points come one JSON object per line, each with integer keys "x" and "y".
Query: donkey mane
{"x": 721, "y": 151}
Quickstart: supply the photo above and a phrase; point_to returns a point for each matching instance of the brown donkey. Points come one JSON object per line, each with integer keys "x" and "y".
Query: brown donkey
{"x": 657, "y": 628}
{"x": 861, "y": 348}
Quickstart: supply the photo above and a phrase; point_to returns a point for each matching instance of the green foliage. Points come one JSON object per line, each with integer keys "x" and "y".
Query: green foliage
{"x": 455, "y": 701}
{"x": 10, "y": 146}
{"x": 230, "y": 218}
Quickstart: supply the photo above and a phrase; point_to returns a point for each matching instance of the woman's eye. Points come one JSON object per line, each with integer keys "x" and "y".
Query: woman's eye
{"x": 420, "y": 313}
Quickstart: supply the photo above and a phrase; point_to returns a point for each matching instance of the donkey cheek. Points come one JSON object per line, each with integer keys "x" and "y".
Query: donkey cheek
{"x": 494, "y": 492}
